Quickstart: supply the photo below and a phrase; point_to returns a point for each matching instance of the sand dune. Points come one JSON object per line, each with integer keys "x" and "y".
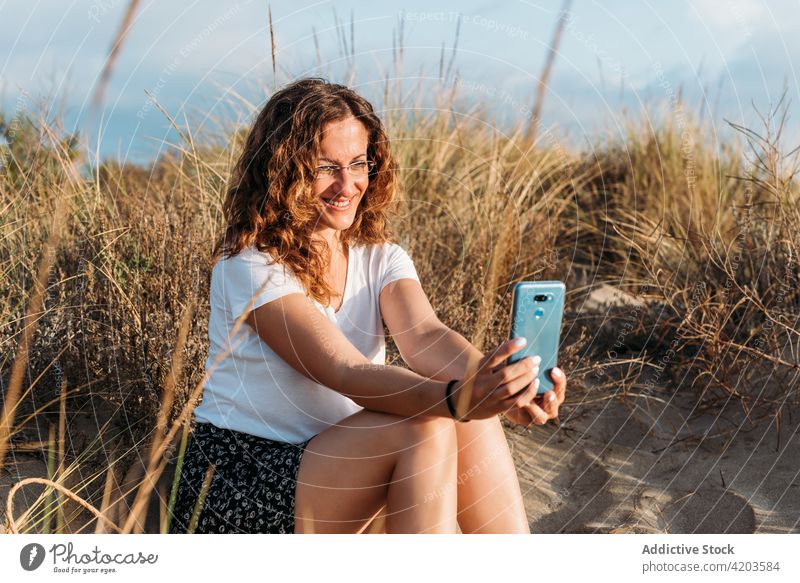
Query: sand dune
{"x": 609, "y": 468}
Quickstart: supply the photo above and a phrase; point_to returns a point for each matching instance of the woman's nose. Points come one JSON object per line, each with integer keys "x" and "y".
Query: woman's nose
{"x": 345, "y": 184}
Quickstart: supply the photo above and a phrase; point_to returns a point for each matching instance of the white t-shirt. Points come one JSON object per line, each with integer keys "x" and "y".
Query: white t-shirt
{"x": 254, "y": 390}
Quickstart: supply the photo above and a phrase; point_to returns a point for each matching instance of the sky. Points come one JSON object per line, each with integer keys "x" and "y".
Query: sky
{"x": 208, "y": 63}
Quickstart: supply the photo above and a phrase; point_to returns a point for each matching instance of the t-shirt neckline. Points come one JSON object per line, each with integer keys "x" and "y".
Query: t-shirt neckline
{"x": 346, "y": 282}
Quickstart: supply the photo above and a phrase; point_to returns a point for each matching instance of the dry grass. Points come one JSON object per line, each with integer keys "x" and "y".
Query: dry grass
{"x": 106, "y": 323}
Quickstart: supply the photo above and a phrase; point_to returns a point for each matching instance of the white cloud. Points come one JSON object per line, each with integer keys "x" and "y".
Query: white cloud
{"x": 740, "y": 16}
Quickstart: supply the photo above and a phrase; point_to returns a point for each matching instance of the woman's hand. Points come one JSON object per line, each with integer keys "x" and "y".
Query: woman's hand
{"x": 497, "y": 387}
{"x": 544, "y": 407}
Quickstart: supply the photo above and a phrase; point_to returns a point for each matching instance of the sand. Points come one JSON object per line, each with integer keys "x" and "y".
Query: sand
{"x": 653, "y": 466}
{"x": 607, "y": 470}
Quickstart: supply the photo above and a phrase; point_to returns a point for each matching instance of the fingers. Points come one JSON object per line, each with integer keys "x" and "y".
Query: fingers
{"x": 527, "y": 416}
{"x": 560, "y": 382}
{"x": 518, "y": 416}
{"x": 549, "y": 403}
{"x": 517, "y": 368}
{"x": 515, "y": 379}
{"x": 554, "y": 399}
{"x": 524, "y": 397}
{"x": 503, "y": 351}
{"x": 541, "y": 408}
{"x": 506, "y": 374}
{"x": 537, "y": 414}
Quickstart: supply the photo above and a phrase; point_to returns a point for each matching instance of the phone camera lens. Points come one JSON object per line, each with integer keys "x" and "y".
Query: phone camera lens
{"x": 540, "y": 298}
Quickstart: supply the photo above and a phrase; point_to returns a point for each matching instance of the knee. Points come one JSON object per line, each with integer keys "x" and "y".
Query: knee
{"x": 428, "y": 433}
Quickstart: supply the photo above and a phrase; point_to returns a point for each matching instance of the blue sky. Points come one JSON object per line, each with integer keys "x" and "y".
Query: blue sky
{"x": 195, "y": 57}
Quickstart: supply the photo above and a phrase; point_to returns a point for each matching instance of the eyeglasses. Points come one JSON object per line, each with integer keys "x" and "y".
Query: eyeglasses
{"x": 357, "y": 169}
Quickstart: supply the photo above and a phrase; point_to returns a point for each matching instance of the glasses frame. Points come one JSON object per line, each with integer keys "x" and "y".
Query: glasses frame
{"x": 335, "y": 169}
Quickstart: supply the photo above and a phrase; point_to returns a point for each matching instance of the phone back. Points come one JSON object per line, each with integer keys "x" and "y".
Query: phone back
{"x": 536, "y": 311}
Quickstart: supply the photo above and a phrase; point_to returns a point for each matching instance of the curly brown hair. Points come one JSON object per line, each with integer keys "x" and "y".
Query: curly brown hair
{"x": 270, "y": 203}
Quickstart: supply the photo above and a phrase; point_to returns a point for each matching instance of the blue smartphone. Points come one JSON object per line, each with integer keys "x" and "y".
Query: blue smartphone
{"x": 536, "y": 311}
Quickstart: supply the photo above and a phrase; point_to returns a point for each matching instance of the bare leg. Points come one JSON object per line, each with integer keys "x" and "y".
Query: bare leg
{"x": 350, "y": 470}
{"x": 489, "y": 496}
{"x": 487, "y": 503}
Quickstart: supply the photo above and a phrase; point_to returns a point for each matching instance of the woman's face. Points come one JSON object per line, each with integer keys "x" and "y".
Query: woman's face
{"x": 343, "y": 143}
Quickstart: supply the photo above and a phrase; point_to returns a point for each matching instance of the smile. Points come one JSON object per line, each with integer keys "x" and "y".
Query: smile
{"x": 341, "y": 204}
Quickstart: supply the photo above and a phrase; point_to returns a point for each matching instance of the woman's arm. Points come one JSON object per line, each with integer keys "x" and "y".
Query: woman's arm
{"x": 303, "y": 337}
{"x": 428, "y": 347}
{"x": 443, "y": 354}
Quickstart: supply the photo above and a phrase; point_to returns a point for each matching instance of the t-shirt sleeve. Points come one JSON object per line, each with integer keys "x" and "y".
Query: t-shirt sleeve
{"x": 396, "y": 265}
{"x": 251, "y": 275}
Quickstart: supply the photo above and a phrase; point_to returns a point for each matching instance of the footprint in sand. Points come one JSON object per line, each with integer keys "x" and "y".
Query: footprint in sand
{"x": 708, "y": 510}
{"x": 582, "y": 498}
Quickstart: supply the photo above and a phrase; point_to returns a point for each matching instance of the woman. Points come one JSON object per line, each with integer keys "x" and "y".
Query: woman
{"x": 303, "y": 426}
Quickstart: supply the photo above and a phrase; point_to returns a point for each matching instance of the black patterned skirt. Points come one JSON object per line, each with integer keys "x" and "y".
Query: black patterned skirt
{"x": 252, "y": 487}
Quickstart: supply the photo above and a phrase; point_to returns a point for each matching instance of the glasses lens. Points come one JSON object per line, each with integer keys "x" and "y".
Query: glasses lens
{"x": 359, "y": 168}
